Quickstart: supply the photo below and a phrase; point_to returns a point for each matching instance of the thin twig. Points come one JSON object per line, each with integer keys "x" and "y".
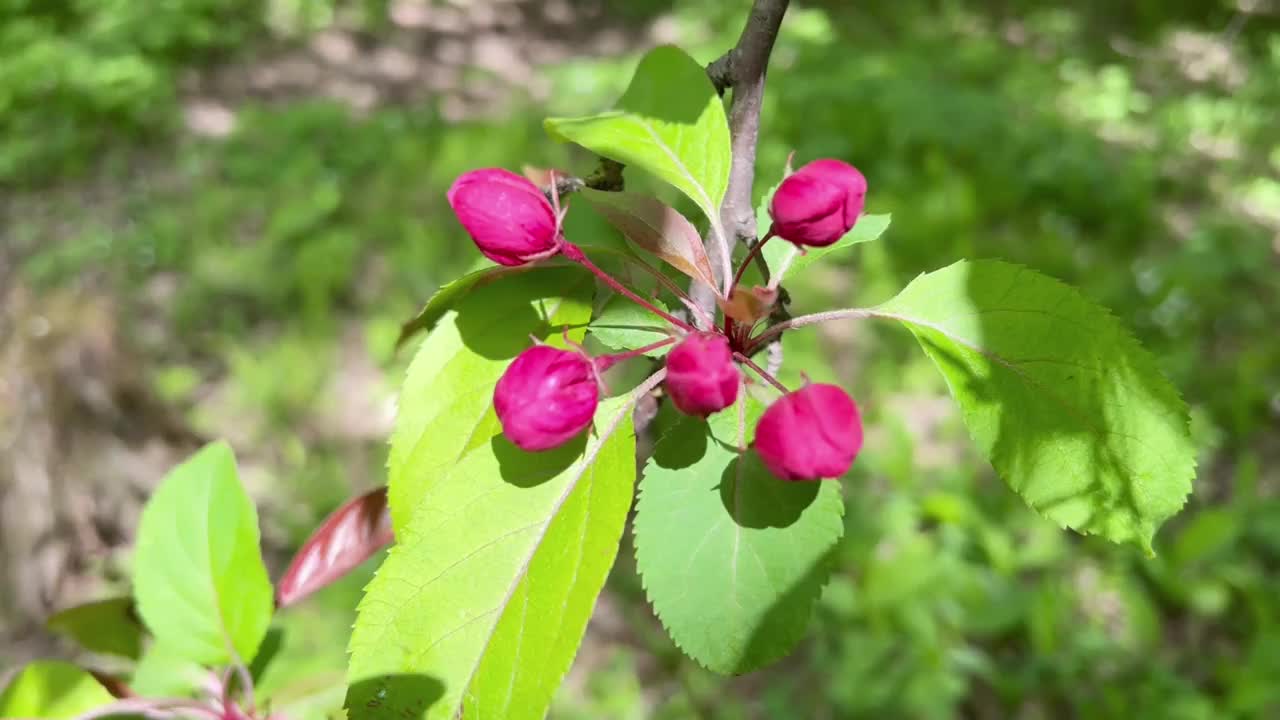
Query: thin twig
{"x": 774, "y": 364}
{"x": 743, "y": 69}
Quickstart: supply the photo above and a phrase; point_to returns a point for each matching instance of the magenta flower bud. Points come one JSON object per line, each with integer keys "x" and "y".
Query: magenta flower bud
{"x": 506, "y": 215}
{"x": 546, "y": 397}
{"x": 701, "y": 376}
{"x": 817, "y": 204}
{"x": 812, "y": 433}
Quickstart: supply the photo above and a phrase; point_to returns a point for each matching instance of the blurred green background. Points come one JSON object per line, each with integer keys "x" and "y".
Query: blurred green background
{"x": 215, "y": 213}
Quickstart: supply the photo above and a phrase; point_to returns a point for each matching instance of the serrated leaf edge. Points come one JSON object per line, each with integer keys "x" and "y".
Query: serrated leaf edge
{"x": 1124, "y": 336}
{"x": 811, "y": 604}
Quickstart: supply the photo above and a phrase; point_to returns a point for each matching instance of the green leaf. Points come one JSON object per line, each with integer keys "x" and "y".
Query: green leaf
{"x": 446, "y": 404}
{"x": 670, "y": 122}
{"x": 624, "y": 325}
{"x": 199, "y": 580}
{"x": 104, "y": 626}
{"x": 447, "y": 296}
{"x": 1067, "y": 406}
{"x": 782, "y": 254}
{"x": 165, "y": 672}
{"x": 731, "y": 557}
{"x": 306, "y": 674}
{"x": 482, "y": 602}
{"x": 52, "y": 689}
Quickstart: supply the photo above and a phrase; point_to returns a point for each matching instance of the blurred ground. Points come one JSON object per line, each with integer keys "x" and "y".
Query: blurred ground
{"x": 214, "y": 214}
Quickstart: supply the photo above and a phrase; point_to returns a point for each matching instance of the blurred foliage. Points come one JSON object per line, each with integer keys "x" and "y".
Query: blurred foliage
{"x": 76, "y": 75}
{"x": 1129, "y": 148}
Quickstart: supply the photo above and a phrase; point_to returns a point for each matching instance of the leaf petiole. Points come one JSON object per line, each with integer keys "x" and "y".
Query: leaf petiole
{"x": 774, "y": 331}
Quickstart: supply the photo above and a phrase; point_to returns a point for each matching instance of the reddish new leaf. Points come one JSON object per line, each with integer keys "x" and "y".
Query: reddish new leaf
{"x": 114, "y": 685}
{"x": 749, "y": 306}
{"x": 657, "y": 228}
{"x": 348, "y": 537}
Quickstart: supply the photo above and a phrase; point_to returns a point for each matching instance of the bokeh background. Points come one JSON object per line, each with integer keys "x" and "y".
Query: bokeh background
{"x": 214, "y": 214}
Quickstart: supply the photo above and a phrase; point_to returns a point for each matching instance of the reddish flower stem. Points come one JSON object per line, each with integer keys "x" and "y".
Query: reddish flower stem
{"x": 742, "y": 269}
{"x": 761, "y": 372}
{"x": 574, "y": 253}
{"x": 604, "y": 362}
{"x": 752, "y": 254}
{"x": 667, "y": 283}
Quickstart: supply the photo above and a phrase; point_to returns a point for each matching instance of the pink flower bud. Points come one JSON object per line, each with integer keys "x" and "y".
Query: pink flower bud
{"x": 701, "y": 376}
{"x": 546, "y": 397}
{"x": 506, "y": 215}
{"x": 812, "y": 433}
{"x": 817, "y": 204}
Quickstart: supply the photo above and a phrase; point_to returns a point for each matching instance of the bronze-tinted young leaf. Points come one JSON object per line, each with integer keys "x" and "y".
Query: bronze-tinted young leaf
{"x": 749, "y": 306}
{"x": 656, "y": 228}
{"x": 118, "y": 688}
{"x": 348, "y": 537}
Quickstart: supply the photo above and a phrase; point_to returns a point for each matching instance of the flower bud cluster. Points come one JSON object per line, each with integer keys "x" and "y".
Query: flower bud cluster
{"x": 548, "y": 396}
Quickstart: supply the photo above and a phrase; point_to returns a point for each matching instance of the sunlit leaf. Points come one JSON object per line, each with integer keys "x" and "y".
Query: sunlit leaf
{"x": 199, "y": 579}
{"x": 52, "y": 689}
{"x": 164, "y": 672}
{"x": 1069, "y": 409}
{"x": 481, "y": 604}
{"x": 670, "y": 122}
{"x": 731, "y": 557}
{"x": 446, "y": 404}
{"x": 749, "y": 305}
{"x": 348, "y": 537}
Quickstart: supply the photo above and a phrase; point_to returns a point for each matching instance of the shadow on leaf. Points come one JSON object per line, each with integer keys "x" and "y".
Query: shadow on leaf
{"x": 393, "y": 697}
{"x": 1073, "y": 414}
{"x": 267, "y": 651}
{"x": 672, "y": 455}
{"x": 495, "y": 320}
{"x": 756, "y": 499}
{"x": 530, "y": 469}
{"x": 782, "y": 620}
